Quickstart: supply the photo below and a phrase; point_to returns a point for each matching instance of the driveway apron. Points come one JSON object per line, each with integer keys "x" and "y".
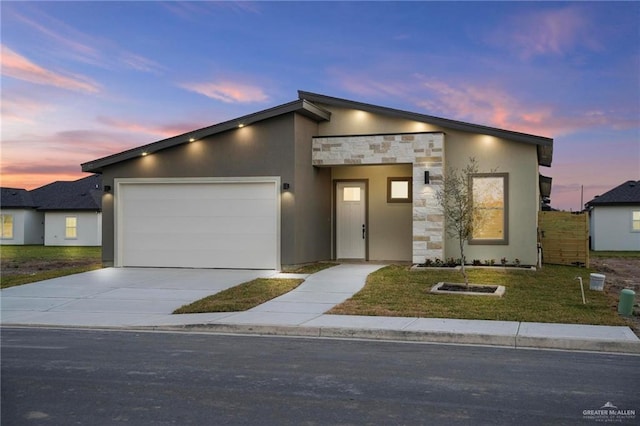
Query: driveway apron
{"x": 147, "y": 297}
{"x": 116, "y": 296}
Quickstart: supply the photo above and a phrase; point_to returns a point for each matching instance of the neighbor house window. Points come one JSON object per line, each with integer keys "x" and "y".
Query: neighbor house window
{"x": 71, "y": 227}
{"x": 399, "y": 189}
{"x": 7, "y": 226}
{"x": 635, "y": 221}
{"x": 489, "y": 195}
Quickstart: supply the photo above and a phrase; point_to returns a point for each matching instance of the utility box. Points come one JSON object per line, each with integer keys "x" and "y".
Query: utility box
{"x": 625, "y": 305}
{"x": 596, "y": 282}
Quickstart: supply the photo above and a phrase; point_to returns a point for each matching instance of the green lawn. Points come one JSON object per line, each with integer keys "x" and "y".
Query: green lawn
{"x": 241, "y": 297}
{"x": 551, "y": 294}
{"x": 27, "y": 264}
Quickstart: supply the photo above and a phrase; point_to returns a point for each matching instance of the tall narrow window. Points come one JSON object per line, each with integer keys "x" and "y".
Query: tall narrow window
{"x": 489, "y": 195}
{"x": 635, "y": 221}
{"x": 7, "y": 226}
{"x": 71, "y": 227}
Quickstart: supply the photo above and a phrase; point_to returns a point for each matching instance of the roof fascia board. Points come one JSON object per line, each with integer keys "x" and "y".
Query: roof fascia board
{"x": 612, "y": 203}
{"x": 444, "y": 122}
{"x": 301, "y": 106}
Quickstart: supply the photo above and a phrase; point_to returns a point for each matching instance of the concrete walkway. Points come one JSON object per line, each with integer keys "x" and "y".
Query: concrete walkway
{"x": 143, "y": 298}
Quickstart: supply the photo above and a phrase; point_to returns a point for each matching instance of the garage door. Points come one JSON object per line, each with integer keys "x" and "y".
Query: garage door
{"x": 198, "y": 224}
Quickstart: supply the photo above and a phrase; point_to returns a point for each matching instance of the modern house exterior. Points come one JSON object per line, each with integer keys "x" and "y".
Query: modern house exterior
{"x": 21, "y": 223}
{"x": 315, "y": 179}
{"x": 58, "y": 214}
{"x": 614, "y": 218}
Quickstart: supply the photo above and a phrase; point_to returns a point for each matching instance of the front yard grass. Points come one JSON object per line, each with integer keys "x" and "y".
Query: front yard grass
{"x": 551, "y": 295}
{"x": 241, "y": 297}
{"x": 26, "y": 264}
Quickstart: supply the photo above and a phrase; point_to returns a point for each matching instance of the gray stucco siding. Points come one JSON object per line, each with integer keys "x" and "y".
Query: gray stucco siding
{"x": 267, "y": 148}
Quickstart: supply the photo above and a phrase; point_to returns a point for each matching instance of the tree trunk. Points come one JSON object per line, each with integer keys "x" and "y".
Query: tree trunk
{"x": 462, "y": 261}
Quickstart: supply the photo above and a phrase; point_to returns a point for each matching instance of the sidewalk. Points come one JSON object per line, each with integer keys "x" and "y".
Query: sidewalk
{"x": 144, "y": 299}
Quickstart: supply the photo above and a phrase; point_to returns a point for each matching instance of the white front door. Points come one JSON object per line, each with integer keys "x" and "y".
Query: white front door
{"x": 351, "y": 231}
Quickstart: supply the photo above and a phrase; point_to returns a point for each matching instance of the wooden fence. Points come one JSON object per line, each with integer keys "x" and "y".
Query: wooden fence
{"x": 564, "y": 237}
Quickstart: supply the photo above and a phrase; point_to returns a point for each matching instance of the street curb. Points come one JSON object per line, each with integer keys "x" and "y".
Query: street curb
{"x": 591, "y": 345}
{"x": 511, "y": 341}
{"x": 516, "y": 342}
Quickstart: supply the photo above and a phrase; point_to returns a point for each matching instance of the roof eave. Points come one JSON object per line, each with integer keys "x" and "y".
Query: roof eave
{"x": 545, "y": 145}
{"x": 545, "y": 183}
{"x": 300, "y": 106}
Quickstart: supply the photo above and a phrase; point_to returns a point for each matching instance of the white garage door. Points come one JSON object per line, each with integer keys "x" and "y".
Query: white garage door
{"x": 198, "y": 224}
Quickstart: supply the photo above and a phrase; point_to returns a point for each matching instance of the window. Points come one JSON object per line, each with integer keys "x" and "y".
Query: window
{"x": 399, "y": 190}
{"x": 489, "y": 195}
{"x": 7, "y": 226}
{"x": 351, "y": 193}
{"x": 71, "y": 227}
{"x": 635, "y": 221}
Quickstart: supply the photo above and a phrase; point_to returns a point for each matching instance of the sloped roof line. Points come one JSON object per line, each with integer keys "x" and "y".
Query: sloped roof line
{"x": 15, "y": 198}
{"x": 301, "y": 106}
{"x": 306, "y": 105}
{"x": 444, "y": 122}
{"x": 544, "y": 144}
{"x": 81, "y": 194}
{"x": 623, "y": 194}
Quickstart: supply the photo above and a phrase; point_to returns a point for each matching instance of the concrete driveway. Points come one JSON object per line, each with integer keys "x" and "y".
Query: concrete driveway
{"x": 120, "y": 297}
{"x": 116, "y": 296}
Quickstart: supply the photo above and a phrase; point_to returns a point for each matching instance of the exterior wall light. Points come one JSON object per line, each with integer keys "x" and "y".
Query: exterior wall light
{"x": 144, "y": 153}
{"x": 191, "y": 139}
{"x": 107, "y": 188}
{"x": 286, "y": 186}
{"x": 426, "y": 177}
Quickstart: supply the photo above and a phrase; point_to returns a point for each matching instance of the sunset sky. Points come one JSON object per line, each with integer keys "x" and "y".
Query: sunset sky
{"x": 82, "y": 80}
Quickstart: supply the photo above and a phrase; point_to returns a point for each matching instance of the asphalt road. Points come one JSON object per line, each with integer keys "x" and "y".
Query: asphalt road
{"x": 65, "y": 377}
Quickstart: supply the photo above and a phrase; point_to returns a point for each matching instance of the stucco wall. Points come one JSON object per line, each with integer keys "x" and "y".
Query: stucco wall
{"x": 311, "y": 192}
{"x": 423, "y": 151}
{"x": 265, "y": 148}
{"x": 610, "y": 228}
{"x": 390, "y": 224}
{"x": 517, "y": 159}
{"x": 28, "y": 227}
{"x": 89, "y": 229}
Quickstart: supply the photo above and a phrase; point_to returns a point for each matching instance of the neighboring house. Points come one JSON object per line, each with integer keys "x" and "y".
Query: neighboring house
{"x": 315, "y": 179}
{"x": 614, "y": 218}
{"x": 72, "y": 211}
{"x": 20, "y": 222}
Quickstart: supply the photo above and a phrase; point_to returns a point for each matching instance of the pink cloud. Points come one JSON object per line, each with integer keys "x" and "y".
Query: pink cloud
{"x": 547, "y": 32}
{"x": 193, "y": 10}
{"x": 140, "y": 63}
{"x": 17, "y": 66}
{"x": 360, "y": 85}
{"x": 19, "y": 109}
{"x": 228, "y": 92}
{"x": 70, "y": 42}
{"x": 59, "y": 155}
{"x": 495, "y": 107}
{"x": 163, "y": 131}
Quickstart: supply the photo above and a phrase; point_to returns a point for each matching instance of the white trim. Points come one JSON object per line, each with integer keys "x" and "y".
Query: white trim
{"x": 118, "y": 183}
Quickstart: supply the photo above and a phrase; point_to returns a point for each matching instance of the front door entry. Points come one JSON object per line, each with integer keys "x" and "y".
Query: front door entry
{"x": 351, "y": 223}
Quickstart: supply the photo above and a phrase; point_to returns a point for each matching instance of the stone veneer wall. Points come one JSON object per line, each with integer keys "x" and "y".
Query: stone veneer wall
{"x": 425, "y": 151}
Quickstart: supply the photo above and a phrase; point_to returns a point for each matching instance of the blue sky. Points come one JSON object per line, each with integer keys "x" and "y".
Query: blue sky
{"x": 82, "y": 80}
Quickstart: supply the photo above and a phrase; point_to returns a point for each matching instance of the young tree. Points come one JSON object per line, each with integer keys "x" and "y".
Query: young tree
{"x": 455, "y": 199}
